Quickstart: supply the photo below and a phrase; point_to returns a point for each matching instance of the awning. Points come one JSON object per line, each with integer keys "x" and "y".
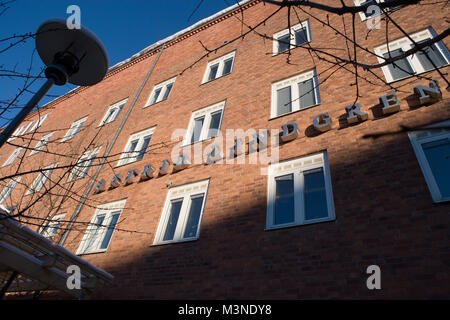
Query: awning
{"x": 30, "y": 262}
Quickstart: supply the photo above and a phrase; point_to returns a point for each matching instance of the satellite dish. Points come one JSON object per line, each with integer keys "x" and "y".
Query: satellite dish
{"x": 78, "y": 51}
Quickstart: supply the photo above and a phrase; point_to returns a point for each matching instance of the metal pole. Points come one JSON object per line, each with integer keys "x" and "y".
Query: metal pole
{"x": 4, "y": 136}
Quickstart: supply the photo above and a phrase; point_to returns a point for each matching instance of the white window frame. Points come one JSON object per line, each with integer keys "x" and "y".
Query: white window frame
{"x": 41, "y": 179}
{"x": 405, "y": 44}
{"x": 39, "y": 122}
{"x": 295, "y": 94}
{"x": 420, "y": 137}
{"x": 42, "y": 143}
{"x": 81, "y": 170}
{"x": 126, "y": 158}
{"x": 276, "y": 36}
{"x": 108, "y": 210}
{"x": 50, "y": 229}
{"x": 206, "y": 112}
{"x": 163, "y": 86}
{"x": 184, "y": 192}
{"x": 297, "y": 167}
{"x": 9, "y": 188}
{"x": 13, "y": 156}
{"x": 221, "y": 63}
{"x": 74, "y": 129}
{"x": 114, "y": 115}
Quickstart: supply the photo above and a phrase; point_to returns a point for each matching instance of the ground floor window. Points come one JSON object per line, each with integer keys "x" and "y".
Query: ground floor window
{"x": 432, "y": 149}
{"x": 299, "y": 192}
{"x": 182, "y": 213}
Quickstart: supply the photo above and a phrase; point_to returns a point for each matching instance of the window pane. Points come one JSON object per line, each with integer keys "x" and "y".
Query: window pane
{"x": 402, "y": 68}
{"x": 301, "y": 36}
{"x": 227, "y": 66}
{"x": 284, "y": 199}
{"x": 213, "y": 72}
{"x": 93, "y": 232}
{"x": 168, "y": 89}
{"x": 144, "y": 147}
{"x": 175, "y": 207}
{"x": 434, "y": 54}
{"x": 438, "y": 156}
{"x": 284, "y": 104}
{"x": 130, "y": 153}
{"x": 87, "y": 165}
{"x": 307, "y": 95}
{"x": 283, "y": 43}
{"x": 215, "y": 123}
{"x": 155, "y": 95}
{"x": 194, "y": 217}
{"x": 109, "y": 232}
{"x": 315, "y": 194}
{"x": 117, "y": 111}
{"x": 197, "y": 130}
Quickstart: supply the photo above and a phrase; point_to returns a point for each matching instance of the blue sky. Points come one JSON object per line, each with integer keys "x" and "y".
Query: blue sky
{"x": 124, "y": 27}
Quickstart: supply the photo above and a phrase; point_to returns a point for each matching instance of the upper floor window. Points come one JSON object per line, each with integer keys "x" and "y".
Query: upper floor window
{"x": 299, "y": 192}
{"x": 137, "y": 146}
{"x": 160, "y": 92}
{"x": 42, "y": 143}
{"x": 182, "y": 213}
{"x": 83, "y": 165}
{"x": 74, "y": 129}
{"x": 113, "y": 112}
{"x": 291, "y": 38}
{"x": 52, "y": 226}
{"x": 21, "y": 131}
{"x": 100, "y": 231}
{"x": 432, "y": 149}
{"x": 205, "y": 123}
{"x": 295, "y": 93}
{"x": 219, "y": 67}
{"x": 413, "y": 64}
{"x": 6, "y": 192}
{"x": 13, "y": 156}
{"x": 41, "y": 179}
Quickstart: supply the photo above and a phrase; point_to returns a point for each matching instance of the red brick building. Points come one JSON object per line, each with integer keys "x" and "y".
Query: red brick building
{"x": 306, "y": 226}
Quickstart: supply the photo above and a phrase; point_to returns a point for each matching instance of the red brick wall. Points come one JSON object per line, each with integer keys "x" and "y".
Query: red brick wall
{"x": 384, "y": 211}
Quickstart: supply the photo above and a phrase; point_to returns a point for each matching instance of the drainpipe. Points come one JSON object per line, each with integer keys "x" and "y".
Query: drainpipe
{"x": 94, "y": 178}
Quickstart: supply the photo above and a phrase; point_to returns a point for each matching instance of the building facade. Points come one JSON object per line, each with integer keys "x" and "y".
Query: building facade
{"x": 146, "y": 175}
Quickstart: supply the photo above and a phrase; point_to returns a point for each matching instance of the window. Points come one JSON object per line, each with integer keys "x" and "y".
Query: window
{"x": 160, "y": 92}
{"x": 205, "y": 123}
{"x": 83, "y": 165}
{"x": 432, "y": 149}
{"x": 299, "y": 192}
{"x": 74, "y": 129}
{"x": 136, "y": 147}
{"x": 13, "y": 156}
{"x": 182, "y": 213}
{"x": 113, "y": 112}
{"x": 295, "y": 93}
{"x": 21, "y": 131}
{"x": 6, "y": 192}
{"x": 100, "y": 231}
{"x": 52, "y": 226}
{"x": 41, "y": 179}
{"x": 291, "y": 38}
{"x": 219, "y": 67}
{"x": 42, "y": 143}
{"x": 413, "y": 64}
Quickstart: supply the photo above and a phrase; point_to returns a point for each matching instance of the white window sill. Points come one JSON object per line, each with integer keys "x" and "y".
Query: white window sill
{"x": 290, "y": 225}
{"x": 173, "y": 241}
